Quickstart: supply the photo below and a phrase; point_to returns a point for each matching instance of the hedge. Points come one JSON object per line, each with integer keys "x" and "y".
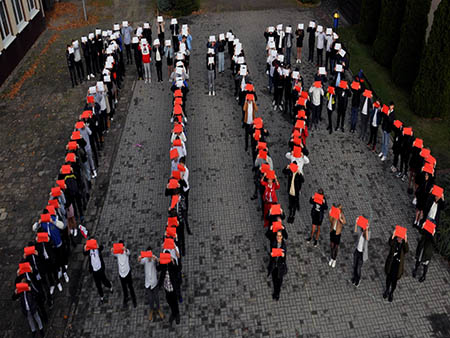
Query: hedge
{"x": 388, "y": 34}
{"x": 431, "y": 92}
{"x": 368, "y": 22}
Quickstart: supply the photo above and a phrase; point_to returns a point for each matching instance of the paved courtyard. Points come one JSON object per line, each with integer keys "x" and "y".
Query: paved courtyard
{"x": 225, "y": 289}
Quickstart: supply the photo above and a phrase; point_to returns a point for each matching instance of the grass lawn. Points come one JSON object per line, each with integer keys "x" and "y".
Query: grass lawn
{"x": 434, "y": 132}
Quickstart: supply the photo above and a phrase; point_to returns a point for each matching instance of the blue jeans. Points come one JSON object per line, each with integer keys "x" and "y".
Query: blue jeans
{"x": 288, "y": 55}
{"x": 354, "y": 118}
{"x": 385, "y": 143}
{"x": 221, "y": 61}
{"x": 270, "y": 83}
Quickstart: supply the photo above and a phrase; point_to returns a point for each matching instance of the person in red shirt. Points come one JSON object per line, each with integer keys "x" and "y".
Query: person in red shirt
{"x": 270, "y": 183}
{"x": 145, "y": 49}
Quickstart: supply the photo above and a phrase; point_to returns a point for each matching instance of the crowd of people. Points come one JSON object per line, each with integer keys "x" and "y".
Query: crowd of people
{"x": 44, "y": 264}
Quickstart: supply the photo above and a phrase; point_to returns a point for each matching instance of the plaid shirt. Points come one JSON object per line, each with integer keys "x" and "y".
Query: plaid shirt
{"x": 167, "y": 284}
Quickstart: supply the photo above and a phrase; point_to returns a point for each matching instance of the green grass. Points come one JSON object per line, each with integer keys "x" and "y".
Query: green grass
{"x": 434, "y": 132}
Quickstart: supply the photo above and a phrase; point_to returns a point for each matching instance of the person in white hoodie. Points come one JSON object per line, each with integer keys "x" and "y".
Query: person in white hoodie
{"x": 126, "y": 280}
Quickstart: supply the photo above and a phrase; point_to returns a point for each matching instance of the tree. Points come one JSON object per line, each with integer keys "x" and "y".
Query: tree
{"x": 405, "y": 64}
{"x": 431, "y": 92}
{"x": 368, "y": 22}
{"x": 388, "y": 34}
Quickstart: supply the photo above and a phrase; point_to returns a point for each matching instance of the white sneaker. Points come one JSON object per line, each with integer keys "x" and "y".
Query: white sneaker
{"x": 59, "y": 287}
{"x": 393, "y": 169}
{"x": 214, "y": 93}
{"x": 59, "y": 274}
{"x": 66, "y": 277}
{"x": 209, "y": 93}
{"x": 380, "y": 154}
{"x": 94, "y": 175}
{"x": 71, "y": 232}
{"x": 414, "y": 201}
{"x": 299, "y": 61}
{"x": 274, "y": 108}
{"x": 383, "y": 159}
{"x": 92, "y": 76}
{"x": 145, "y": 80}
{"x": 333, "y": 265}
{"x": 88, "y": 77}
{"x": 330, "y": 262}
{"x": 75, "y": 232}
{"x": 52, "y": 289}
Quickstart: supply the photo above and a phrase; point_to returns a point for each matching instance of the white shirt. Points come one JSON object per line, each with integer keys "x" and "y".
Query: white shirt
{"x": 320, "y": 40}
{"x": 186, "y": 179}
{"x": 158, "y": 55}
{"x": 374, "y": 119}
{"x": 364, "y": 108}
{"x": 181, "y": 150}
{"x": 360, "y": 246}
{"x": 123, "y": 263}
{"x": 433, "y": 211}
{"x": 329, "y": 40}
{"x": 301, "y": 161}
{"x": 316, "y": 94}
{"x": 182, "y": 137}
{"x": 330, "y": 102}
{"x": 151, "y": 276}
{"x": 249, "y": 113}
{"x": 95, "y": 259}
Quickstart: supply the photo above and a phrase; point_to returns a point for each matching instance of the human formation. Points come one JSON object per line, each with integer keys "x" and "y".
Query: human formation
{"x": 45, "y": 260}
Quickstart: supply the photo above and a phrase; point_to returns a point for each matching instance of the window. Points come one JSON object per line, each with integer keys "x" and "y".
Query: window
{"x": 5, "y": 28}
{"x": 18, "y": 11}
{"x": 31, "y": 5}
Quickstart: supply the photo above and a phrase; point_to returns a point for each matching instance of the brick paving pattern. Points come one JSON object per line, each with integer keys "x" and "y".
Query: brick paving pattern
{"x": 225, "y": 289}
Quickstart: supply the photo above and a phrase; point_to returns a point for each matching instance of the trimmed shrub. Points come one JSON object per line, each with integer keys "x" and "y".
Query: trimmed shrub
{"x": 406, "y": 62}
{"x": 388, "y": 34}
{"x": 431, "y": 92}
{"x": 368, "y": 22}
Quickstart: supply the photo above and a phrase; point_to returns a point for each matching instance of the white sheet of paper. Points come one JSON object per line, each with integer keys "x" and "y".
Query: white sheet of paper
{"x": 167, "y": 42}
{"x": 235, "y": 42}
{"x": 237, "y": 50}
{"x": 184, "y": 31}
{"x": 108, "y": 65}
{"x": 116, "y": 27}
{"x": 91, "y": 35}
{"x": 124, "y": 23}
{"x": 98, "y": 31}
{"x": 100, "y": 86}
{"x": 273, "y": 53}
{"x": 280, "y": 58}
{"x": 231, "y": 38}
{"x": 70, "y": 50}
{"x": 271, "y": 29}
{"x": 300, "y": 26}
{"x": 146, "y": 25}
{"x": 160, "y": 19}
{"x": 182, "y": 47}
{"x": 295, "y": 75}
{"x": 243, "y": 70}
{"x": 212, "y": 38}
{"x": 320, "y": 29}
{"x": 279, "y": 27}
{"x": 288, "y": 29}
{"x": 109, "y": 32}
{"x": 179, "y": 70}
{"x": 271, "y": 44}
{"x": 339, "y": 68}
{"x": 156, "y": 42}
{"x": 173, "y": 21}
{"x": 329, "y": 31}
{"x": 286, "y": 72}
{"x": 240, "y": 60}
{"x": 228, "y": 35}
{"x": 322, "y": 71}
{"x": 312, "y": 24}
{"x": 83, "y": 39}
{"x": 75, "y": 44}
{"x": 179, "y": 83}
{"x": 110, "y": 59}
{"x": 92, "y": 90}
{"x": 221, "y": 36}
{"x": 139, "y": 31}
{"x": 135, "y": 40}
{"x": 210, "y": 60}
{"x": 106, "y": 78}
{"x": 342, "y": 52}
{"x": 335, "y": 36}
{"x": 337, "y": 46}
{"x": 271, "y": 39}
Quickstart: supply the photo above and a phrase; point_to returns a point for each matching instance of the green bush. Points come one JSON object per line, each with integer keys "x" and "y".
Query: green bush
{"x": 165, "y": 5}
{"x": 185, "y": 7}
{"x": 368, "y": 22}
{"x": 405, "y": 64}
{"x": 443, "y": 231}
{"x": 431, "y": 91}
{"x": 388, "y": 34}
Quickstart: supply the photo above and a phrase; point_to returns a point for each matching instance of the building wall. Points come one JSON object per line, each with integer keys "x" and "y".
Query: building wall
{"x": 14, "y": 47}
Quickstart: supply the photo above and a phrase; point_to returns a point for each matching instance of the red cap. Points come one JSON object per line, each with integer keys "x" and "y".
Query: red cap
{"x": 45, "y": 218}
{"x": 317, "y": 84}
{"x": 79, "y": 125}
{"x": 362, "y": 222}
{"x": 275, "y": 209}
{"x": 70, "y": 157}
{"x": 425, "y": 152}
{"x": 400, "y": 231}
{"x": 24, "y": 268}
{"x": 91, "y": 244}
{"x": 277, "y": 226}
{"x": 367, "y": 93}
{"x": 297, "y": 152}
{"x": 173, "y": 183}
{"x": 265, "y": 167}
{"x": 29, "y": 250}
{"x": 72, "y": 145}
{"x": 250, "y": 97}
{"x": 76, "y": 136}
{"x": 398, "y": 124}
{"x": 165, "y": 258}
{"x": 429, "y": 226}
{"x": 318, "y": 198}
{"x": 172, "y": 221}
{"x": 22, "y": 287}
{"x": 169, "y": 244}
{"x": 407, "y": 131}
{"x": 146, "y": 254}
{"x": 171, "y": 232}
{"x": 335, "y": 212}
{"x": 177, "y": 110}
{"x": 56, "y": 191}
{"x": 174, "y": 201}
{"x": 277, "y": 252}
{"x": 301, "y": 114}
{"x": 87, "y": 114}
{"x": 90, "y": 99}
{"x": 42, "y": 237}
{"x": 261, "y": 145}
{"x": 385, "y": 109}
{"x": 262, "y": 154}
{"x": 331, "y": 90}
{"x": 176, "y": 174}
{"x": 178, "y": 128}
{"x": 343, "y": 84}
{"x": 174, "y": 154}
{"x": 118, "y": 248}
{"x": 356, "y": 85}
{"x": 293, "y": 167}
{"x": 270, "y": 175}
{"x": 61, "y": 184}
{"x": 437, "y": 191}
{"x": 66, "y": 169}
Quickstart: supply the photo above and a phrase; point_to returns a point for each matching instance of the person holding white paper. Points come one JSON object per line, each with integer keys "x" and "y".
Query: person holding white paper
{"x": 211, "y": 67}
{"x": 329, "y": 43}
{"x": 85, "y": 46}
{"x": 175, "y": 30}
{"x": 137, "y": 57}
{"x": 221, "y": 53}
{"x": 146, "y": 59}
{"x": 320, "y": 38}
{"x": 311, "y": 40}
{"x": 160, "y": 28}
{"x": 147, "y": 32}
{"x": 300, "y": 34}
{"x": 279, "y": 39}
{"x": 71, "y": 65}
{"x": 288, "y": 44}
{"x": 77, "y": 60}
{"x": 158, "y": 53}
{"x": 126, "y": 32}
{"x": 169, "y": 53}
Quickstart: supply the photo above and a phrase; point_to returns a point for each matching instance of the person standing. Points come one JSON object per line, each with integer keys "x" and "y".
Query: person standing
{"x": 356, "y": 102}
{"x": 146, "y": 59}
{"x": 374, "y": 122}
{"x": 288, "y": 44}
{"x": 137, "y": 57}
{"x": 151, "y": 284}
{"x": 158, "y": 52}
{"x": 337, "y": 221}
{"x": 126, "y": 37}
{"x": 393, "y": 267}
{"x": 300, "y": 34}
{"x": 97, "y": 267}
{"x": 277, "y": 265}
{"x": 331, "y": 106}
{"x": 71, "y": 65}
{"x": 386, "y": 126}
{"x": 319, "y": 206}
{"x": 328, "y": 49}
{"x": 269, "y": 195}
{"x": 365, "y": 112}
{"x": 424, "y": 251}
{"x": 343, "y": 93}
{"x": 311, "y": 40}
{"x": 221, "y": 53}
{"x": 294, "y": 185}
{"x": 169, "y": 279}
{"x": 211, "y": 68}
{"x": 361, "y": 253}
{"x": 320, "y": 38}
{"x": 169, "y": 54}
{"x": 316, "y": 94}
{"x": 250, "y": 109}
{"x": 77, "y": 59}
{"x": 126, "y": 279}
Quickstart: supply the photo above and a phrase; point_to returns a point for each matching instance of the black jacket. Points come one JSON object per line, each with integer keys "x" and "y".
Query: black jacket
{"x": 388, "y": 121}
{"x": 31, "y": 300}
{"x": 278, "y": 262}
{"x": 174, "y": 274}
{"x": 440, "y": 206}
{"x": 318, "y": 209}
{"x": 298, "y": 181}
{"x": 87, "y": 253}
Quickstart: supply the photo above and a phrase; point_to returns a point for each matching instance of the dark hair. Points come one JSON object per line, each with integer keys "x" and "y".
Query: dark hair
{"x": 121, "y": 241}
{"x": 182, "y": 160}
{"x": 320, "y": 191}
{"x": 392, "y": 103}
{"x": 149, "y": 248}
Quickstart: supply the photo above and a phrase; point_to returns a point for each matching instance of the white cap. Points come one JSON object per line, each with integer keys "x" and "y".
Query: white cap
{"x": 146, "y": 25}
{"x": 173, "y": 21}
{"x": 221, "y": 36}
{"x": 300, "y": 26}
{"x": 329, "y": 31}
{"x": 116, "y": 27}
{"x": 312, "y": 24}
{"x": 160, "y": 19}
{"x": 135, "y": 39}
{"x": 167, "y": 42}
{"x": 124, "y": 23}
{"x": 156, "y": 42}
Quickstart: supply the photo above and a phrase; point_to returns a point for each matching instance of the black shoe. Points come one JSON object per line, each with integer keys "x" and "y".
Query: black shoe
{"x": 414, "y": 273}
{"x": 410, "y": 191}
{"x": 254, "y": 197}
{"x": 422, "y": 279}
{"x": 336, "y": 128}
{"x": 134, "y": 303}
{"x": 308, "y": 239}
{"x": 42, "y": 333}
{"x": 171, "y": 319}
{"x": 273, "y": 296}
{"x": 177, "y": 319}
{"x": 391, "y": 297}
{"x": 315, "y": 243}
{"x": 343, "y": 129}
{"x": 386, "y": 293}
{"x": 290, "y": 219}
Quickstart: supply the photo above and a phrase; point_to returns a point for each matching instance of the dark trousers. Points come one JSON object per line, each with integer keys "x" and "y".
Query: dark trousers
{"x": 294, "y": 203}
{"x": 319, "y": 56}
{"x": 172, "y": 300}
{"x": 311, "y": 52}
{"x": 334, "y": 250}
{"x": 248, "y": 134}
{"x": 373, "y": 136}
{"x": 127, "y": 283}
{"x": 354, "y": 118}
{"x": 328, "y": 61}
{"x": 391, "y": 281}
{"x": 159, "y": 70}
{"x": 330, "y": 121}
{"x": 94, "y": 62}
{"x": 73, "y": 76}
{"x": 99, "y": 279}
{"x": 128, "y": 51}
{"x": 278, "y": 95}
{"x": 315, "y": 114}
{"x": 340, "y": 118}
{"x": 88, "y": 65}
{"x": 404, "y": 159}
{"x": 139, "y": 68}
{"x": 80, "y": 71}
{"x": 277, "y": 282}
{"x": 61, "y": 258}
{"x": 363, "y": 126}
{"x": 357, "y": 265}
{"x": 396, "y": 156}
